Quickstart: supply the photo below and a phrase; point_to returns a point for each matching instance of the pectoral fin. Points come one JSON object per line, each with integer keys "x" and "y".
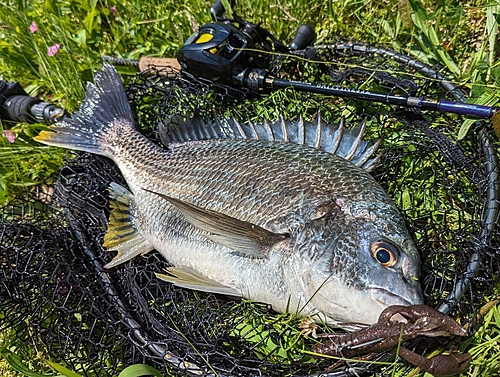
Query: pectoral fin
{"x": 186, "y": 277}
{"x": 122, "y": 236}
{"x": 236, "y": 234}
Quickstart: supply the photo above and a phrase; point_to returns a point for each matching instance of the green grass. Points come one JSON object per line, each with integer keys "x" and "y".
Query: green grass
{"x": 459, "y": 35}
{"x": 484, "y": 345}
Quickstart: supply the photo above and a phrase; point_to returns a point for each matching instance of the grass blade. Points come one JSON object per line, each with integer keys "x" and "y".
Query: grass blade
{"x": 421, "y": 20}
{"x": 139, "y": 370}
{"x": 62, "y": 369}
{"x": 17, "y": 364}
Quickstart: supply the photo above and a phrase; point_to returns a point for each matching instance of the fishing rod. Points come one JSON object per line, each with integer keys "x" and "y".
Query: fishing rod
{"x": 258, "y": 80}
{"x": 17, "y": 106}
{"x": 236, "y": 52}
{"x": 239, "y": 55}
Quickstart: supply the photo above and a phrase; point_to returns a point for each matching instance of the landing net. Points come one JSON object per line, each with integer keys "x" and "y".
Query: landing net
{"x": 57, "y": 297}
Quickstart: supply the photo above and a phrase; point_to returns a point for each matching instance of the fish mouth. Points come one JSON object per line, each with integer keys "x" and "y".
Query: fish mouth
{"x": 386, "y": 298}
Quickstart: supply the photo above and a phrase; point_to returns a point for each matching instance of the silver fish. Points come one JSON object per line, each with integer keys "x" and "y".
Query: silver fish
{"x": 267, "y": 212}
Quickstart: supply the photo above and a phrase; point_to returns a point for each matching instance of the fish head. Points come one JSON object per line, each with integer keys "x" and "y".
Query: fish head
{"x": 362, "y": 261}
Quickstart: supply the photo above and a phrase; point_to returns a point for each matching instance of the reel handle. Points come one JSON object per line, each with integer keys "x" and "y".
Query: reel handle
{"x": 217, "y": 9}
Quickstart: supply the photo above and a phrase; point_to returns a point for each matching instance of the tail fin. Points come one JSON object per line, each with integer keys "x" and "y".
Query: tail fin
{"x": 105, "y": 107}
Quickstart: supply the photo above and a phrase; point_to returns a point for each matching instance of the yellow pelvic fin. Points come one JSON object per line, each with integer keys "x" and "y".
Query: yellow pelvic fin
{"x": 122, "y": 236}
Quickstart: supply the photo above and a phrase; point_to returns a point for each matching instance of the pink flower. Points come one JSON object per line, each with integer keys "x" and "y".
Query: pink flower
{"x": 9, "y": 135}
{"x": 113, "y": 11}
{"x": 33, "y": 27}
{"x": 52, "y": 50}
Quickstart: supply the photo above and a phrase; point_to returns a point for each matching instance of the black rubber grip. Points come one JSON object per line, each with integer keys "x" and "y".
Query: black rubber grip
{"x": 18, "y": 108}
{"x": 303, "y": 37}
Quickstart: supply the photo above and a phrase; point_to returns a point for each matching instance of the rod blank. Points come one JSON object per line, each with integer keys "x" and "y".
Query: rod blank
{"x": 260, "y": 80}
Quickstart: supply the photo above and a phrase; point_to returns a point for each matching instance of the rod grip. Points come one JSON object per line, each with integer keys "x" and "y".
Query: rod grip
{"x": 18, "y": 108}
{"x": 147, "y": 62}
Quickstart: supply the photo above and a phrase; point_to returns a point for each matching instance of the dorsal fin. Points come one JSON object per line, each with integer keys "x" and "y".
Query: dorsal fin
{"x": 179, "y": 130}
{"x": 332, "y": 138}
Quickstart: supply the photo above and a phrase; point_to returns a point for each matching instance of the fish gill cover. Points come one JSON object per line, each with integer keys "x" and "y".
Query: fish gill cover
{"x": 56, "y": 295}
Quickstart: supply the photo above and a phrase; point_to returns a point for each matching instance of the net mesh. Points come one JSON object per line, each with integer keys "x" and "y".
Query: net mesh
{"x": 56, "y": 295}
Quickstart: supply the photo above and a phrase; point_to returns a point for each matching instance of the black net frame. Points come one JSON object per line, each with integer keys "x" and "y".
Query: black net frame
{"x": 57, "y": 296}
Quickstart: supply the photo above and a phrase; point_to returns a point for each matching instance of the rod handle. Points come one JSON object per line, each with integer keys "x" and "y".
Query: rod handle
{"x": 147, "y": 62}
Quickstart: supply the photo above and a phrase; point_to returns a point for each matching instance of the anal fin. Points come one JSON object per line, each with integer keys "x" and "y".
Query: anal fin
{"x": 186, "y": 277}
{"x": 122, "y": 236}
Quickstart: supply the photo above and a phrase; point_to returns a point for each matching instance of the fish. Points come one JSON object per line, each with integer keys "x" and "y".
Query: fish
{"x": 281, "y": 212}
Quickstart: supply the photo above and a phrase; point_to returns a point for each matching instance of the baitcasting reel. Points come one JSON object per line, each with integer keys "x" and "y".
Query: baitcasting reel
{"x": 220, "y": 51}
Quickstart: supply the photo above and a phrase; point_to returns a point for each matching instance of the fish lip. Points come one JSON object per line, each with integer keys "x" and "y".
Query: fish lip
{"x": 386, "y": 298}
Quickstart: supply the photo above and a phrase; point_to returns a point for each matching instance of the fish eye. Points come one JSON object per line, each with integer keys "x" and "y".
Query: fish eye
{"x": 385, "y": 253}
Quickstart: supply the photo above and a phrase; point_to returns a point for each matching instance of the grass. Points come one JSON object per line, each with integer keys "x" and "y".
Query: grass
{"x": 458, "y": 35}
{"x": 484, "y": 345}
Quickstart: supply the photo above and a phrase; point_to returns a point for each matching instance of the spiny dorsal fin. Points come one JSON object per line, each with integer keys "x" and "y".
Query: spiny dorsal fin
{"x": 327, "y": 137}
{"x": 317, "y": 144}
{"x": 241, "y": 236}
{"x": 180, "y": 130}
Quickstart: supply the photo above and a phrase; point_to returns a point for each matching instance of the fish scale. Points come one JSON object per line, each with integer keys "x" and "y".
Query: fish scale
{"x": 278, "y": 218}
{"x": 201, "y": 185}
